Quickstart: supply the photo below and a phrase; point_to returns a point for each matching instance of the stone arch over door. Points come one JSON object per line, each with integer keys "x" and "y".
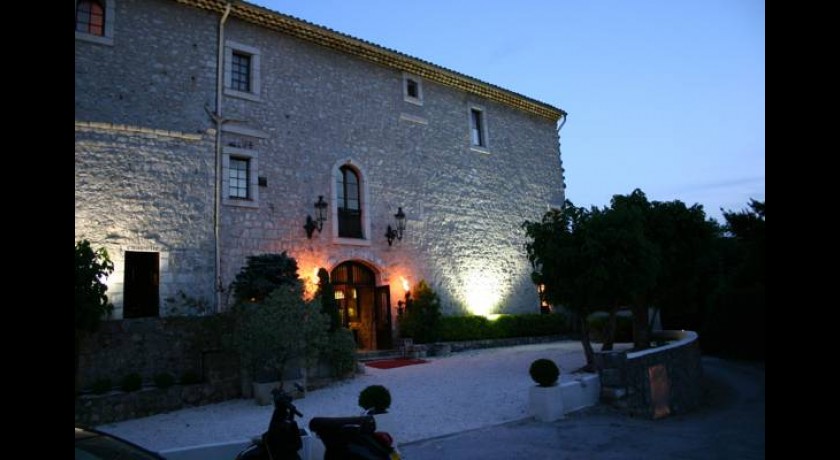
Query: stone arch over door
{"x": 364, "y": 307}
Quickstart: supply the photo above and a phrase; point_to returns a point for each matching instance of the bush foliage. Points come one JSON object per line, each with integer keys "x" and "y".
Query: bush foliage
{"x": 422, "y": 318}
{"x": 459, "y": 328}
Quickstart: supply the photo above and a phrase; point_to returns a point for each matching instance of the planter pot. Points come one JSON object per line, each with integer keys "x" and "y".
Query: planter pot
{"x": 546, "y": 403}
{"x": 385, "y": 422}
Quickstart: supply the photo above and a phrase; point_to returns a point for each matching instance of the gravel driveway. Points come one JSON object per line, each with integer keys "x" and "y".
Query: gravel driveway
{"x": 464, "y": 391}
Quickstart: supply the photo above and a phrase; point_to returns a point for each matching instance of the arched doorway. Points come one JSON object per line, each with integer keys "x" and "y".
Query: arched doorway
{"x": 365, "y": 308}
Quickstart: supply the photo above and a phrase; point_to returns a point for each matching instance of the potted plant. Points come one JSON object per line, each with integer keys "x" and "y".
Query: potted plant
{"x": 545, "y": 401}
{"x": 375, "y": 400}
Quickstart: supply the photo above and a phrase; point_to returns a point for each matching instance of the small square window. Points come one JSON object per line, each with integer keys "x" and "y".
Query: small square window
{"x": 242, "y": 71}
{"x": 240, "y": 181}
{"x": 95, "y": 21}
{"x": 412, "y": 89}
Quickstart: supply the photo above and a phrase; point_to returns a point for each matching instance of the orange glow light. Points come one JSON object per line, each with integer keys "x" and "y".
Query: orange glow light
{"x": 405, "y": 285}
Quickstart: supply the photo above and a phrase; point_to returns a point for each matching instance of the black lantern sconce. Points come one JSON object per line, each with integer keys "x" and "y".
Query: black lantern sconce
{"x": 318, "y": 222}
{"x": 397, "y": 233}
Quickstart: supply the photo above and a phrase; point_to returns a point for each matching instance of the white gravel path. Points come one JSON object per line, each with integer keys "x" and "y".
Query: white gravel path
{"x": 464, "y": 391}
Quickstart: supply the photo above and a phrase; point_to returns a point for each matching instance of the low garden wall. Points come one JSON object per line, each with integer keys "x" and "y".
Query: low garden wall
{"x": 152, "y": 346}
{"x": 188, "y": 349}
{"x": 656, "y": 382}
{"x": 117, "y": 405}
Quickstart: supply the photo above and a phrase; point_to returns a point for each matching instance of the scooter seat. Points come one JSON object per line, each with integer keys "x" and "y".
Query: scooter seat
{"x": 365, "y": 423}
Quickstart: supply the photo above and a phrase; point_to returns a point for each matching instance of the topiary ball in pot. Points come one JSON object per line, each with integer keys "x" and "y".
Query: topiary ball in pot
{"x": 544, "y": 372}
{"x": 375, "y": 397}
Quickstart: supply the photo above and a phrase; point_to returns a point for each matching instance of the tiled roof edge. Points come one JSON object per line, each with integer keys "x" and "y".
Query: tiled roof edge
{"x": 310, "y": 32}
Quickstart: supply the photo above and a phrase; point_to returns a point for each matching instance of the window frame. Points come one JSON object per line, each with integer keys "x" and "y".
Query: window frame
{"x": 483, "y": 130}
{"x": 253, "y": 192}
{"x": 107, "y": 38}
{"x": 231, "y": 48}
{"x": 365, "y": 240}
{"x": 407, "y": 77}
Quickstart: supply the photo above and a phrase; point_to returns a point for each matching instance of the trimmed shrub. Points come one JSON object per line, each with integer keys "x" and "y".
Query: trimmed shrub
{"x": 164, "y": 380}
{"x": 422, "y": 317}
{"x": 341, "y": 352}
{"x": 131, "y": 382}
{"x": 101, "y": 386}
{"x": 375, "y": 397}
{"x": 544, "y": 372}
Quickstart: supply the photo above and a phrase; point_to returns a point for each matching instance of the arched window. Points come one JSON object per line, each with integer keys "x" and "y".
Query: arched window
{"x": 90, "y": 17}
{"x": 348, "y": 199}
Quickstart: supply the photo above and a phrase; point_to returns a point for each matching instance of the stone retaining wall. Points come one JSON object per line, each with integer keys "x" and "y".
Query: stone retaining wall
{"x": 116, "y": 406}
{"x": 656, "y": 382}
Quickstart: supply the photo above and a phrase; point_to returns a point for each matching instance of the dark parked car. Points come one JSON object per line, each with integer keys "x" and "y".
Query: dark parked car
{"x": 95, "y": 445}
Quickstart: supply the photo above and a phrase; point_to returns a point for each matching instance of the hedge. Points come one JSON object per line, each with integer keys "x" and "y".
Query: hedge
{"x": 460, "y": 328}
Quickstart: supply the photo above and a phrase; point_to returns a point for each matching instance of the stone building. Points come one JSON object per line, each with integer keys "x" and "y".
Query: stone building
{"x": 207, "y": 131}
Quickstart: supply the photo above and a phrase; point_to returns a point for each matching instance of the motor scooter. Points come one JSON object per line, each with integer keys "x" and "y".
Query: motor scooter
{"x": 343, "y": 437}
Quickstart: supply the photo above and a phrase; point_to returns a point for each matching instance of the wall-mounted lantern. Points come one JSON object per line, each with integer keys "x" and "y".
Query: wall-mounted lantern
{"x": 321, "y": 216}
{"x": 397, "y": 233}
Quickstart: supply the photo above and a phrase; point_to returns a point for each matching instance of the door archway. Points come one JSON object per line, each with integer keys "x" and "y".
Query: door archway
{"x": 364, "y": 308}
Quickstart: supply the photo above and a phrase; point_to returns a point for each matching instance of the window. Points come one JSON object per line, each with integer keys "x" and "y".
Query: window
{"x": 477, "y": 128}
{"x": 238, "y": 178}
{"x": 90, "y": 17}
{"x": 95, "y": 21}
{"x": 348, "y": 195}
{"x": 242, "y": 71}
{"x": 412, "y": 89}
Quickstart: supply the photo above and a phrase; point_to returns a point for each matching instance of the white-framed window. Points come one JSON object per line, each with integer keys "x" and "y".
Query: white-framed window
{"x": 95, "y": 21}
{"x": 412, "y": 89}
{"x": 242, "y": 71}
{"x": 479, "y": 139}
{"x": 239, "y": 177}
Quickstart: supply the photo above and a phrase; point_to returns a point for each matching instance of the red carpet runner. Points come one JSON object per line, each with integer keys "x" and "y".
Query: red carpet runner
{"x": 392, "y": 363}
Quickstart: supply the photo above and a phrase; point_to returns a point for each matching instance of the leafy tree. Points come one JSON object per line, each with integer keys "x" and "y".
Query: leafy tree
{"x": 625, "y": 260}
{"x": 263, "y": 274}
{"x": 421, "y": 320}
{"x": 688, "y": 252}
{"x": 283, "y": 326}
{"x": 92, "y": 267}
{"x": 741, "y": 306}
{"x": 560, "y": 262}
{"x": 273, "y": 322}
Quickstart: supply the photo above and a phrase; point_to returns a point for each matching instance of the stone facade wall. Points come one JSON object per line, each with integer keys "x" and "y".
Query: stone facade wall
{"x": 627, "y": 376}
{"x": 317, "y": 109}
{"x": 146, "y": 190}
{"x": 464, "y": 207}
